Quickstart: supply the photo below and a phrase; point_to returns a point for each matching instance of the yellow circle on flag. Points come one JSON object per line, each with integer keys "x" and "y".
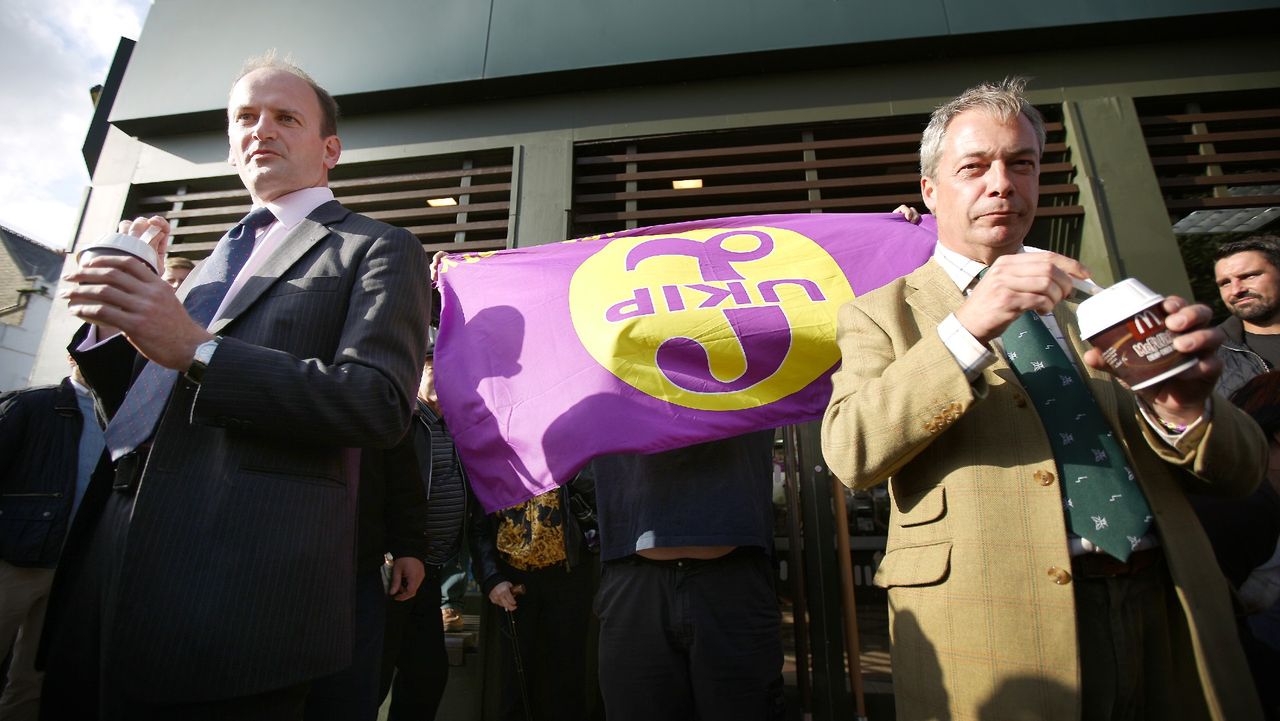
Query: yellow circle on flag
{"x": 712, "y": 319}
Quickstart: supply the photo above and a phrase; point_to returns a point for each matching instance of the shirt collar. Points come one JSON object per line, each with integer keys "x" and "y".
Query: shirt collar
{"x": 962, "y": 270}
{"x": 290, "y": 209}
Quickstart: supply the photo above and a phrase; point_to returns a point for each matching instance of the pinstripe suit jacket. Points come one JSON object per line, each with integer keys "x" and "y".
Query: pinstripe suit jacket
{"x": 237, "y": 574}
{"x": 980, "y": 628}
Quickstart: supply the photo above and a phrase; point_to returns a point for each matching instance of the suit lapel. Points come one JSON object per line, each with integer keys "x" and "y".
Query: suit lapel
{"x": 304, "y": 235}
{"x": 935, "y": 294}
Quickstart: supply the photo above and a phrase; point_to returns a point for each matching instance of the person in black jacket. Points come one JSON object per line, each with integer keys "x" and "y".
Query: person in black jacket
{"x": 391, "y": 531}
{"x": 50, "y": 442}
{"x": 531, "y": 562}
{"x": 1248, "y": 276}
{"x": 415, "y": 666}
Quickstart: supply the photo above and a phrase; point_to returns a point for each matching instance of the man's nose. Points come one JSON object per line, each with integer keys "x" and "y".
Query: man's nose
{"x": 264, "y": 128}
{"x": 999, "y": 182}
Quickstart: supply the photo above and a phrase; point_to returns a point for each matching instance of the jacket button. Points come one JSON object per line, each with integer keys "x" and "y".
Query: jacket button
{"x": 1044, "y": 478}
{"x": 1059, "y": 576}
{"x": 46, "y": 514}
{"x": 1019, "y": 400}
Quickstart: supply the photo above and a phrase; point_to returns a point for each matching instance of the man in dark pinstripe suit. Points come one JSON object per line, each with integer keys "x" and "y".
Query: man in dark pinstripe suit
{"x": 210, "y": 572}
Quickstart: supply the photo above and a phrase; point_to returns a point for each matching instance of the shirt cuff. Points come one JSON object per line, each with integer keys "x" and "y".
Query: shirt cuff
{"x": 972, "y": 356}
{"x": 1179, "y": 440}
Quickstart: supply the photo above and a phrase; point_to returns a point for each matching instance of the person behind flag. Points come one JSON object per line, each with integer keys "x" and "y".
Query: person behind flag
{"x": 689, "y": 619}
{"x": 534, "y": 564}
{"x": 211, "y": 575}
{"x": 1040, "y": 564}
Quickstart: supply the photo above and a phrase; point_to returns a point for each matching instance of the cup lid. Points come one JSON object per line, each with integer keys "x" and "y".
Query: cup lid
{"x": 122, "y": 242}
{"x": 1114, "y": 305}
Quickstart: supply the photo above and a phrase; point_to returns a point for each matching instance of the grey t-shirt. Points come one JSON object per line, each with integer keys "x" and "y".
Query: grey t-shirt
{"x": 710, "y": 494}
{"x": 1267, "y": 346}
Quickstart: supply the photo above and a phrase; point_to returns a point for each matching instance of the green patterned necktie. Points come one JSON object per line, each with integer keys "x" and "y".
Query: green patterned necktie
{"x": 1104, "y": 503}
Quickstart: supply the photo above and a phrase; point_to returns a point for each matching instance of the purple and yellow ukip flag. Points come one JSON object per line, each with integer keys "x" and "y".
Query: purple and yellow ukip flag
{"x": 650, "y": 339}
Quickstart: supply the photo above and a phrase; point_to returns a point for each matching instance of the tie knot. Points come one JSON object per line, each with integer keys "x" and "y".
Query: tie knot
{"x": 258, "y": 218}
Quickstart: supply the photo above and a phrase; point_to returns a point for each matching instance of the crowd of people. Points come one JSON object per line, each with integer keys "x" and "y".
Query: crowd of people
{"x": 248, "y": 488}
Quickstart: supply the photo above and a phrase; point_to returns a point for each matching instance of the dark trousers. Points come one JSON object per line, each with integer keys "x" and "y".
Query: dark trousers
{"x": 352, "y": 694}
{"x": 548, "y": 630}
{"x": 691, "y": 639}
{"x": 80, "y": 686}
{"x": 415, "y": 667}
{"x": 1128, "y": 669}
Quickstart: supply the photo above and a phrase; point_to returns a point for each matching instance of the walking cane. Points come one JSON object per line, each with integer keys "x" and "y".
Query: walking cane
{"x": 515, "y": 652}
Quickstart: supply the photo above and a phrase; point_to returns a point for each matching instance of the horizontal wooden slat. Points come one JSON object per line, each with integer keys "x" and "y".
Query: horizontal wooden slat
{"x": 455, "y": 227}
{"x": 1260, "y": 114}
{"x": 424, "y": 193}
{"x": 471, "y": 246}
{"x": 1158, "y": 140}
{"x": 418, "y": 177}
{"x": 796, "y": 206}
{"x": 792, "y": 185}
{"x": 781, "y": 186}
{"x": 776, "y": 167}
{"x": 1215, "y": 158}
{"x": 1233, "y": 179}
{"x": 763, "y": 149}
{"x": 238, "y": 193}
{"x": 385, "y": 215}
{"x": 1234, "y": 201}
{"x": 740, "y": 151}
{"x": 421, "y": 195}
{"x": 334, "y": 184}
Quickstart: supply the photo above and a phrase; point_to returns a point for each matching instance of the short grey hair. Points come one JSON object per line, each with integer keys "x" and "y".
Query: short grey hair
{"x": 271, "y": 60}
{"x": 1004, "y": 100}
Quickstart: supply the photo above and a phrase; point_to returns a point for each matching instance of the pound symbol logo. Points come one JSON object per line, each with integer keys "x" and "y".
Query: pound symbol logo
{"x": 709, "y": 319}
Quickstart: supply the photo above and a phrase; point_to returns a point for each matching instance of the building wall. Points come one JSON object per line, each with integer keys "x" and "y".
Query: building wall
{"x": 20, "y": 343}
{"x": 1125, "y": 232}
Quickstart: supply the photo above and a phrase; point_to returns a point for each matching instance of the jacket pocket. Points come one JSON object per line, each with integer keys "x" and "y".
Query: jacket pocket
{"x": 915, "y": 565}
{"x": 26, "y": 523}
{"x": 920, "y": 508}
{"x": 320, "y": 283}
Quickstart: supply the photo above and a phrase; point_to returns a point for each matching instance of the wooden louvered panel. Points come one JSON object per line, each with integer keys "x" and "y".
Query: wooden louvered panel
{"x": 394, "y": 192}
{"x": 848, "y": 205}
{"x": 911, "y": 139}
{"x": 857, "y": 166}
{"x": 1216, "y": 151}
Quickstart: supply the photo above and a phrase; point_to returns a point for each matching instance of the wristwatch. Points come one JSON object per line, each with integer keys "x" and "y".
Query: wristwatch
{"x": 200, "y": 361}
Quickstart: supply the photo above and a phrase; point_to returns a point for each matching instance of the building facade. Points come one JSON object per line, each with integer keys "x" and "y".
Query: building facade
{"x": 486, "y": 125}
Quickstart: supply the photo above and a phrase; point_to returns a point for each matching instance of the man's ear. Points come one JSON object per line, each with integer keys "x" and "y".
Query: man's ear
{"x": 928, "y": 192}
{"x": 332, "y": 151}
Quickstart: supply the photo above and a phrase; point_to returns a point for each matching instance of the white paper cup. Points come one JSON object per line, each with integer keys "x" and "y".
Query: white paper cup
{"x": 120, "y": 244}
{"x": 1126, "y": 323}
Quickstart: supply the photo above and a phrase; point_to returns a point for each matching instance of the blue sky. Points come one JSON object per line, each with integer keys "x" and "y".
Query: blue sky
{"x": 51, "y": 53}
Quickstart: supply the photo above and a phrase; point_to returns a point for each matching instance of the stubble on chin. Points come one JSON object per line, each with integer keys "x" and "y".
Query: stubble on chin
{"x": 1255, "y": 311}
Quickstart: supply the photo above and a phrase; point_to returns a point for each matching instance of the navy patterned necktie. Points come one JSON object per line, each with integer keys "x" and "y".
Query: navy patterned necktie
{"x": 136, "y": 420}
{"x": 1104, "y": 503}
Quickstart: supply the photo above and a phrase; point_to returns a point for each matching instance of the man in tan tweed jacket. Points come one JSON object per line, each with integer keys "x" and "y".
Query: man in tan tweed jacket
{"x": 998, "y": 610}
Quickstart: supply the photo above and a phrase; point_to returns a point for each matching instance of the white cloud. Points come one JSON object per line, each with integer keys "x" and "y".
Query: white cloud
{"x": 51, "y": 53}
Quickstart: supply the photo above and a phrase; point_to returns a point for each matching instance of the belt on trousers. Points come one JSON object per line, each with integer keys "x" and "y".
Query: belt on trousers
{"x": 129, "y": 470}
{"x": 1102, "y": 565}
{"x": 688, "y": 564}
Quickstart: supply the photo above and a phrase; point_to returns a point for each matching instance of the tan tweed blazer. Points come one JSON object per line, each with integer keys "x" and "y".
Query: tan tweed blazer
{"x": 977, "y": 536}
